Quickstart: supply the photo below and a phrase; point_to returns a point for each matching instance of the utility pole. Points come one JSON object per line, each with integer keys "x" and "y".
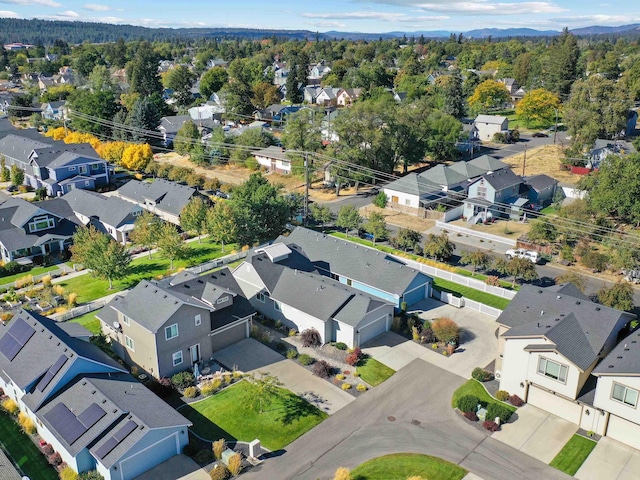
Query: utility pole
{"x": 555, "y": 129}
{"x": 306, "y": 189}
{"x": 524, "y": 161}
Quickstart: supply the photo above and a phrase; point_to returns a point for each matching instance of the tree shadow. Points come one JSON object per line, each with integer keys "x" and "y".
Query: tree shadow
{"x": 203, "y": 426}
{"x": 296, "y": 408}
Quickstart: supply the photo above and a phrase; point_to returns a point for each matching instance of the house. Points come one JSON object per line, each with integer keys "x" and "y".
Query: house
{"x": 310, "y": 93}
{"x": 489, "y": 125}
{"x": 327, "y": 96}
{"x": 493, "y": 195}
{"x": 206, "y": 115}
{"x": 169, "y": 127}
{"x": 274, "y": 159}
{"x": 53, "y": 110}
{"x": 84, "y": 403}
{"x": 162, "y": 197}
{"x": 277, "y": 113}
{"x": 541, "y": 189}
{"x": 317, "y": 72}
{"x": 28, "y": 230}
{"x": 54, "y": 165}
{"x": 165, "y": 329}
{"x": 551, "y": 340}
{"x": 353, "y": 264}
{"x": 516, "y": 92}
{"x": 603, "y": 148}
{"x": 632, "y": 119}
{"x": 449, "y": 180}
{"x": 217, "y": 62}
{"x": 412, "y": 193}
{"x": 45, "y": 82}
{"x": 346, "y": 96}
{"x": 302, "y": 298}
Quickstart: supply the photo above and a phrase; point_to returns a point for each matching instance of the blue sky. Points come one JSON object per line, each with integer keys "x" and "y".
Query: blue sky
{"x": 346, "y": 15}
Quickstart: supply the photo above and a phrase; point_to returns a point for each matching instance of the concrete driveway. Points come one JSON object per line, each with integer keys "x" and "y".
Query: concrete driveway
{"x": 537, "y": 433}
{"x": 179, "y": 467}
{"x": 478, "y": 343}
{"x": 610, "y": 460}
{"x": 251, "y": 356}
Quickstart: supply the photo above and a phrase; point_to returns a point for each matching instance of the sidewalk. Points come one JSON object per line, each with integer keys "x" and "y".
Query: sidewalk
{"x": 471, "y": 241}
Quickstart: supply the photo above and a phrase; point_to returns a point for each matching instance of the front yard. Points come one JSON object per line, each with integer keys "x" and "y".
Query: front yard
{"x": 373, "y": 372}
{"x": 401, "y": 466}
{"x": 475, "y": 388}
{"x": 225, "y": 415}
{"x": 573, "y": 454}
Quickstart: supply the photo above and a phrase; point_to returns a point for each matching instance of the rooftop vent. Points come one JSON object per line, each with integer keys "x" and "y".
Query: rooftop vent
{"x": 597, "y": 309}
{"x": 610, "y": 366}
{"x": 541, "y": 312}
{"x": 559, "y": 297}
{"x": 619, "y": 357}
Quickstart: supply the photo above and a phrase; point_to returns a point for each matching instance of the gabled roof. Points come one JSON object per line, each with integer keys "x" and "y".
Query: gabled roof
{"x": 21, "y": 147}
{"x": 272, "y": 151}
{"x": 540, "y": 182}
{"x": 172, "y": 124}
{"x": 624, "y": 359}
{"x": 169, "y": 196}
{"x": 491, "y": 119}
{"x": 413, "y": 184}
{"x": 443, "y": 175}
{"x": 501, "y": 179}
{"x": 488, "y": 163}
{"x": 468, "y": 169}
{"x": 109, "y": 210}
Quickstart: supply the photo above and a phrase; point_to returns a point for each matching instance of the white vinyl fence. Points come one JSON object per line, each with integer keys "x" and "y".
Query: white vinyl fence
{"x": 476, "y": 233}
{"x": 460, "y": 302}
{"x": 79, "y": 311}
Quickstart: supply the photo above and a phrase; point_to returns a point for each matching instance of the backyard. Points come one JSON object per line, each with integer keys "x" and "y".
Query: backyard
{"x": 89, "y": 321}
{"x": 34, "y": 271}
{"x": 373, "y": 372}
{"x": 401, "y": 466}
{"x": 573, "y": 454}
{"x": 227, "y": 415}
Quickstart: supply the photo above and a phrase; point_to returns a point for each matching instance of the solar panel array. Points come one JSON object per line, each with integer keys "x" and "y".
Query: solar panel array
{"x": 70, "y": 427}
{"x": 53, "y": 370}
{"x": 117, "y": 437}
{"x": 18, "y": 335}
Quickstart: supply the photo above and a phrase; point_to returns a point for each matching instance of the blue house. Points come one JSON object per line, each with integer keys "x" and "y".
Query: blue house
{"x": 497, "y": 194}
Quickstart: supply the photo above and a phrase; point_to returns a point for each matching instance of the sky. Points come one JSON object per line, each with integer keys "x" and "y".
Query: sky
{"x": 371, "y": 16}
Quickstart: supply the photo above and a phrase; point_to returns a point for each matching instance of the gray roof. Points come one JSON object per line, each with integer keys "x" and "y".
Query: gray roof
{"x": 169, "y": 196}
{"x": 50, "y": 153}
{"x": 502, "y": 179}
{"x": 20, "y": 147}
{"x": 488, "y": 163}
{"x": 110, "y": 210}
{"x": 365, "y": 265}
{"x": 578, "y": 328}
{"x": 174, "y": 123}
{"x": 540, "y": 182}
{"x": 491, "y": 119}
{"x": 414, "y": 184}
{"x": 443, "y": 175}
{"x": 622, "y": 360}
{"x": 468, "y": 169}
{"x": 272, "y": 151}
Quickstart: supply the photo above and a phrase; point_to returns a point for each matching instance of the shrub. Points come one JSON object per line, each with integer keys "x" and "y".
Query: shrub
{"x": 220, "y": 472}
{"x": 218, "y": 447}
{"x": 342, "y": 473}
{"x": 11, "y": 268}
{"x": 305, "y": 359}
{"x": 91, "y": 475}
{"x": 182, "y": 380}
{"x": 322, "y": 369}
{"x": 492, "y": 280}
{"x": 415, "y": 333}
{"x": 427, "y": 335}
{"x": 471, "y": 416}
{"x": 496, "y": 410}
{"x": 281, "y": 347}
{"x": 354, "y": 357}
{"x": 226, "y": 377}
{"x": 235, "y": 464}
{"x": 209, "y": 388}
{"x": 490, "y": 425}
{"x": 341, "y": 346}
{"x": 397, "y": 324}
{"x": 502, "y": 395}
{"x": 55, "y": 459}
{"x": 340, "y": 376}
{"x": 10, "y": 406}
{"x": 516, "y": 401}
{"x": 191, "y": 392}
{"x": 467, "y": 403}
{"x": 346, "y": 386}
{"x": 47, "y": 449}
{"x": 161, "y": 388}
{"x": 68, "y": 473}
{"x": 46, "y": 281}
{"x": 356, "y": 374}
{"x": 446, "y": 330}
{"x": 311, "y": 338}
{"x": 26, "y": 423}
{"x": 596, "y": 261}
{"x": 481, "y": 375}
{"x": 403, "y": 306}
{"x": 361, "y": 387}
{"x": 293, "y": 332}
{"x": 291, "y": 354}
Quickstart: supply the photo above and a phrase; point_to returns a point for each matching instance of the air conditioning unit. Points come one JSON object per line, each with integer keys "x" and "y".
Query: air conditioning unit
{"x": 498, "y": 375}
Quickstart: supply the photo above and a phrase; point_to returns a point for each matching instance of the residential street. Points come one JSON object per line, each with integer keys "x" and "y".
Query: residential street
{"x": 418, "y": 397}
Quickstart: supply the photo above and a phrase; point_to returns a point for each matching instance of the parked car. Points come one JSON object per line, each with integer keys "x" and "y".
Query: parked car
{"x": 540, "y": 135}
{"x": 531, "y": 255}
{"x": 221, "y": 194}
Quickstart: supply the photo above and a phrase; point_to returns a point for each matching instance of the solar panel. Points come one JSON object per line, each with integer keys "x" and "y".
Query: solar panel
{"x": 53, "y": 370}
{"x": 91, "y": 415}
{"x": 106, "y": 447}
{"x": 129, "y": 427}
{"x": 65, "y": 423}
{"x": 9, "y": 347}
{"x": 21, "y": 331}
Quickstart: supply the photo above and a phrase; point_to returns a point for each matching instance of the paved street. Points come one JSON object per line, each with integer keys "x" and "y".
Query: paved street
{"x": 410, "y": 412}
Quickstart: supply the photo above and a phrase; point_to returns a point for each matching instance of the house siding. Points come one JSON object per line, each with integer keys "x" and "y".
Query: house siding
{"x": 148, "y": 452}
{"x": 402, "y": 199}
{"x": 389, "y": 297}
{"x": 229, "y": 336}
{"x": 604, "y": 401}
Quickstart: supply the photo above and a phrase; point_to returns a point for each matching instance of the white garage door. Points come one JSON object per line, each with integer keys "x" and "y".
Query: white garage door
{"x": 147, "y": 459}
{"x": 555, "y": 404}
{"x": 624, "y": 431}
{"x": 371, "y": 330}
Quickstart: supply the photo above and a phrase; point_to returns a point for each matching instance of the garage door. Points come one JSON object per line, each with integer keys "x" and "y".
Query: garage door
{"x": 230, "y": 336}
{"x": 416, "y": 295}
{"x": 372, "y": 330}
{"x": 147, "y": 459}
{"x": 555, "y": 404}
{"x": 624, "y": 431}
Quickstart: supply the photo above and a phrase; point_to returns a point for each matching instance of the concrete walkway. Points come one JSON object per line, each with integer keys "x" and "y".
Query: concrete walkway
{"x": 611, "y": 460}
{"x": 7, "y": 470}
{"x": 179, "y": 467}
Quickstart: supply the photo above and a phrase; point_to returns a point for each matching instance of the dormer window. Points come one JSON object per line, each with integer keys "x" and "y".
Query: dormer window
{"x": 222, "y": 300}
{"x": 41, "y": 223}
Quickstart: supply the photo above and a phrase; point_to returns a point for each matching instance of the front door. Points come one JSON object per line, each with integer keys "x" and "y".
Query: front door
{"x": 194, "y": 351}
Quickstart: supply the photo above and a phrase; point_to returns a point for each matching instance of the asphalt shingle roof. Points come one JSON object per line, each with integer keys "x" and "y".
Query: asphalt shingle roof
{"x": 443, "y": 175}
{"x": 624, "y": 359}
{"x": 502, "y": 179}
{"x": 169, "y": 196}
{"x": 110, "y": 210}
{"x": 414, "y": 184}
{"x": 540, "y": 182}
{"x": 488, "y": 163}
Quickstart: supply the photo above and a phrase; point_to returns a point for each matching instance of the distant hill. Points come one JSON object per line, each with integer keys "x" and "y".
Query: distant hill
{"x": 509, "y": 32}
{"x": 598, "y": 30}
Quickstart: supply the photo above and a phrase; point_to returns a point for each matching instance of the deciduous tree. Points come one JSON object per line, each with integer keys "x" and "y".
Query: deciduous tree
{"x": 212, "y": 81}
{"x": 170, "y": 243}
{"x": 321, "y": 213}
{"x": 136, "y": 156}
{"x": 220, "y": 224}
{"x": 538, "y": 106}
{"x": 376, "y": 225}
{"x": 146, "y": 230}
{"x": 348, "y": 218}
{"x": 476, "y": 258}
{"x": 193, "y": 216}
{"x": 438, "y": 247}
{"x": 262, "y": 392}
{"x": 518, "y": 268}
{"x": 619, "y": 296}
{"x": 488, "y": 94}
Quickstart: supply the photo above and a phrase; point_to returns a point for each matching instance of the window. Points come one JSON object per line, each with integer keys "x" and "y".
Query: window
{"x": 407, "y": 201}
{"x": 177, "y": 358}
{"x": 222, "y": 299}
{"x": 125, "y": 320}
{"x": 623, "y": 394}
{"x": 82, "y": 169}
{"x": 260, "y": 297}
{"x": 276, "y": 306}
{"x": 136, "y": 213}
{"x": 95, "y": 166}
{"x": 72, "y": 169}
{"x": 482, "y": 192}
{"x": 553, "y": 370}
{"x": 129, "y": 343}
{"x": 41, "y": 223}
{"x": 87, "y": 183}
{"x": 198, "y": 319}
{"x": 171, "y": 331}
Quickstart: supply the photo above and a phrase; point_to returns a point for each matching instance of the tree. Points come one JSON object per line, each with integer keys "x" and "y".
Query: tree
{"x": 17, "y": 175}
{"x": 489, "y": 94}
{"x": 143, "y": 71}
{"x": 5, "y": 173}
{"x": 212, "y": 81}
{"x": 453, "y": 98}
{"x": 442, "y": 136}
{"x": 348, "y": 218}
{"x": 136, "y": 156}
{"x": 106, "y": 258}
{"x": 438, "y": 247}
{"x": 170, "y": 243}
{"x": 543, "y": 230}
{"x": 562, "y": 64}
{"x": 263, "y": 390}
{"x": 618, "y": 296}
{"x": 180, "y": 80}
{"x": 407, "y": 239}
{"x": 100, "y": 78}
{"x": 321, "y": 213}
{"x": 572, "y": 277}
{"x": 265, "y": 94}
{"x": 144, "y": 116}
{"x": 101, "y": 104}
{"x": 186, "y": 138}
{"x": 220, "y": 224}
{"x": 301, "y": 132}
{"x": 193, "y": 216}
{"x": 517, "y": 268}
{"x": 538, "y": 106}
{"x": 376, "y": 226}
{"x": 146, "y": 231}
{"x": 294, "y": 95}
{"x": 477, "y": 259}
{"x": 381, "y": 200}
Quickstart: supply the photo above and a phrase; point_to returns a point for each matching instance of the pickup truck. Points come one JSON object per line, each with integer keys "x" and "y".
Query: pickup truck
{"x": 531, "y": 255}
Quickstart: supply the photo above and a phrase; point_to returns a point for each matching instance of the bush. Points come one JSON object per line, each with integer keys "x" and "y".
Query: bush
{"x": 55, "y": 459}
{"x": 291, "y": 354}
{"x": 322, "y": 369}
{"x": 471, "y": 416}
{"x": 161, "y": 388}
{"x": 91, "y": 475}
{"x": 11, "y": 268}
{"x": 220, "y": 472}
{"x": 468, "y": 403}
{"x": 191, "y": 392}
{"x": 380, "y": 200}
{"x": 342, "y": 473}
{"x": 490, "y": 425}
{"x": 492, "y": 280}
{"x": 502, "y": 395}
{"x": 341, "y": 346}
{"x": 427, "y": 335}
{"x": 218, "y": 447}
{"x": 293, "y": 332}
{"x": 516, "y": 401}
{"x": 306, "y": 359}
{"x": 10, "y": 406}
{"x": 183, "y": 380}
{"x": 68, "y": 473}
{"x": 235, "y": 464}
{"x": 281, "y": 347}
{"x": 397, "y": 324}
{"x": 496, "y": 410}
{"x": 361, "y": 387}
{"x": 596, "y": 261}
{"x": 26, "y": 423}
{"x": 340, "y": 376}
{"x": 446, "y": 330}
{"x": 354, "y": 357}
{"x": 346, "y": 386}
{"x": 481, "y": 375}
{"x": 311, "y": 338}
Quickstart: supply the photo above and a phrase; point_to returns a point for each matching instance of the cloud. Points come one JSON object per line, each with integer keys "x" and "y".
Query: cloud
{"x": 369, "y": 15}
{"x": 8, "y": 14}
{"x": 45, "y": 3}
{"x": 96, "y": 7}
{"x": 482, "y": 7}
{"x": 69, "y": 13}
{"x": 599, "y": 19}
{"x": 332, "y": 25}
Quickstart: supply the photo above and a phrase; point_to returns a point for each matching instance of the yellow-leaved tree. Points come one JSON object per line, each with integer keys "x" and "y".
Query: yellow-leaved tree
{"x": 79, "y": 137}
{"x": 538, "y": 106}
{"x": 56, "y": 133}
{"x": 112, "y": 151}
{"x": 489, "y": 94}
{"x": 136, "y": 156}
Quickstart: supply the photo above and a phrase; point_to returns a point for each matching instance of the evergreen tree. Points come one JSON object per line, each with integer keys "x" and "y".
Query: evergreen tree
{"x": 143, "y": 70}
{"x": 144, "y": 116}
{"x": 453, "y": 96}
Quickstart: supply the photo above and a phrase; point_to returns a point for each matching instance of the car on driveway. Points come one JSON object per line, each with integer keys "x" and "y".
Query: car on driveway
{"x": 540, "y": 135}
{"x": 531, "y": 255}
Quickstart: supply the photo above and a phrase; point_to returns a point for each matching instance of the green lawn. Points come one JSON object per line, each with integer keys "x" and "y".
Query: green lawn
{"x": 90, "y": 288}
{"x": 475, "y": 388}
{"x": 550, "y": 210}
{"x": 400, "y": 466}
{"x": 373, "y": 372}
{"x": 33, "y": 271}
{"x": 22, "y": 450}
{"x": 225, "y": 415}
{"x": 481, "y": 277}
{"x": 89, "y": 321}
{"x": 573, "y": 454}
{"x": 470, "y": 293}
